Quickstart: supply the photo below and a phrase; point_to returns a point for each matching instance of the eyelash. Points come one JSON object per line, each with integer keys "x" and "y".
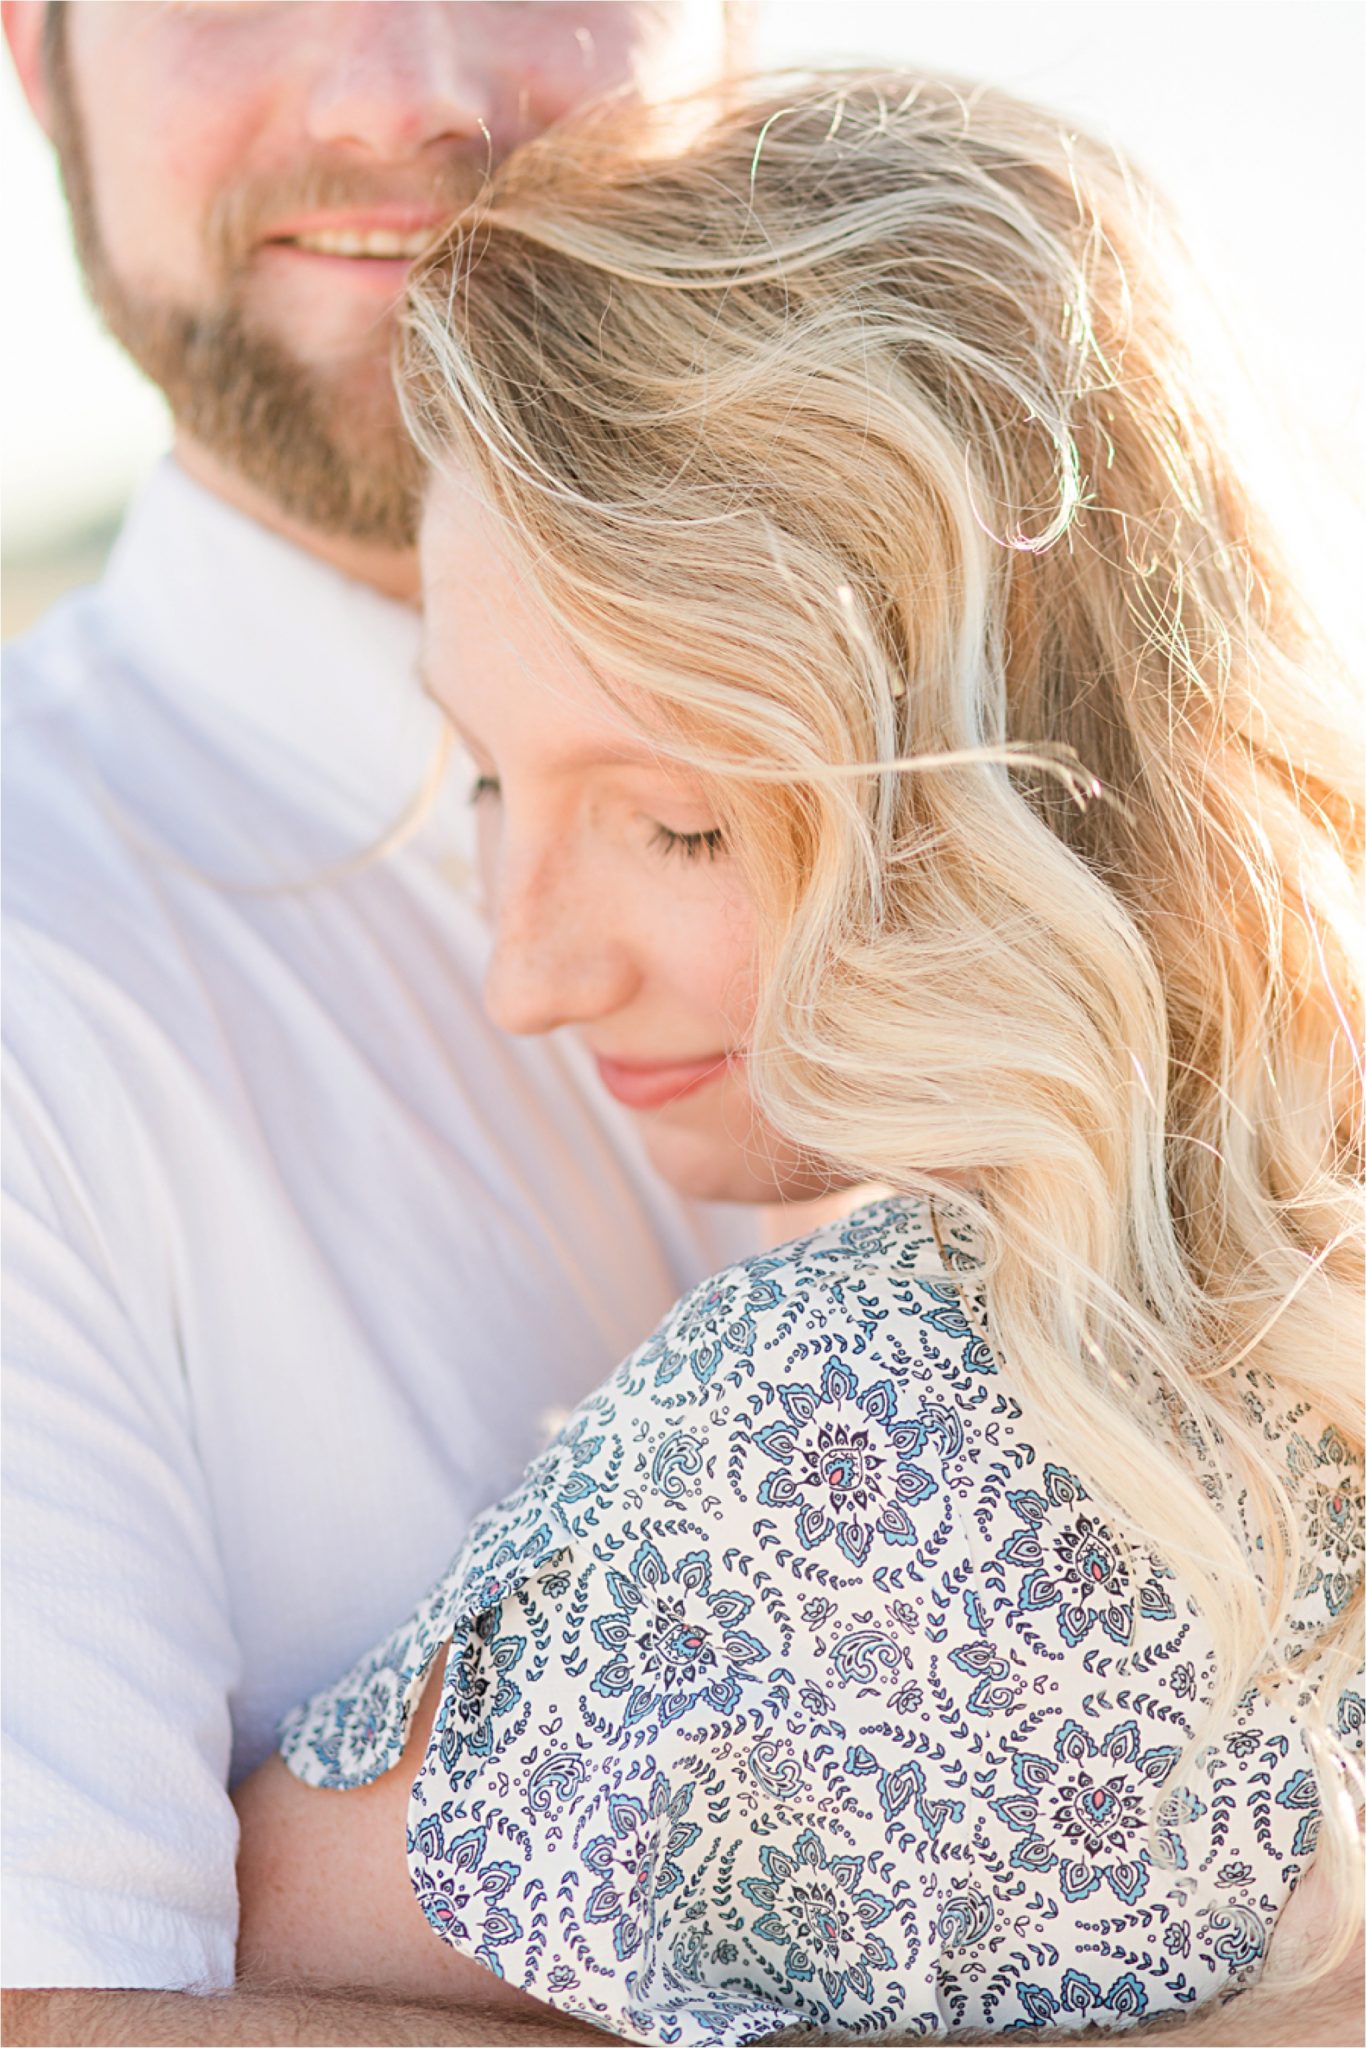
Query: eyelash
{"x": 689, "y": 845}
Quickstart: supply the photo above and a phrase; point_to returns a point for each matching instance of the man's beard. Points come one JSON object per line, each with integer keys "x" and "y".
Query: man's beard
{"x": 330, "y": 451}
{"x": 339, "y": 466}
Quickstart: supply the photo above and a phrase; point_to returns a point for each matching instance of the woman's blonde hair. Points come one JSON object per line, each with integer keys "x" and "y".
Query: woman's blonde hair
{"x": 849, "y": 430}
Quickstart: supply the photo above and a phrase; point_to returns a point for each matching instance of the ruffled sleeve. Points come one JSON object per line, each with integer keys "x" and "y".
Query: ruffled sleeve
{"x": 659, "y": 1793}
{"x": 355, "y": 1731}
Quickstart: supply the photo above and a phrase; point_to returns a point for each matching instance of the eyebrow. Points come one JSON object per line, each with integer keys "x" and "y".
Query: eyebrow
{"x": 646, "y": 759}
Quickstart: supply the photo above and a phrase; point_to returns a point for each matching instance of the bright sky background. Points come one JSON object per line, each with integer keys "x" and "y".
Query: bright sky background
{"x": 1249, "y": 112}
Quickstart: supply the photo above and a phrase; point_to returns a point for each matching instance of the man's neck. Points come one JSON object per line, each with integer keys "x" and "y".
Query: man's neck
{"x": 392, "y": 573}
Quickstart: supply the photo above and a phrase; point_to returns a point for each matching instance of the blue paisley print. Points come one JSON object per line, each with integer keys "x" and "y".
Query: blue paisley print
{"x": 801, "y": 1688}
{"x": 672, "y": 1642}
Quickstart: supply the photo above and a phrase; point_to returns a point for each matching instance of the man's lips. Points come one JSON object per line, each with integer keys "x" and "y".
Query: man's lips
{"x": 650, "y": 1087}
{"x": 382, "y": 235}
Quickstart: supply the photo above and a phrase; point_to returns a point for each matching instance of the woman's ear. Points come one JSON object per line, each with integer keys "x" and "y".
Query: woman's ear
{"x": 24, "y": 26}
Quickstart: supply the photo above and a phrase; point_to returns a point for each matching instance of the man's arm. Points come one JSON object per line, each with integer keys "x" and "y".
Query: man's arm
{"x": 119, "y": 1837}
{"x": 168, "y": 2019}
{"x": 1329, "y": 2016}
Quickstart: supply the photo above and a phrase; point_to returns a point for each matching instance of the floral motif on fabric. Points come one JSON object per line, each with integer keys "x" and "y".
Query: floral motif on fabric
{"x": 815, "y": 1908}
{"x": 1072, "y": 1563}
{"x": 846, "y": 1461}
{"x": 1083, "y": 1811}
{"x": 671, "y": 1640}
{"x": 1333, "y": 1552}
{"x": 635, "y": 1861}
{"x": 461, "y": 1890}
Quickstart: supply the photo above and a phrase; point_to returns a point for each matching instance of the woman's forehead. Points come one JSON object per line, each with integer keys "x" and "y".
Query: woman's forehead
{"x": 493, "y": 658}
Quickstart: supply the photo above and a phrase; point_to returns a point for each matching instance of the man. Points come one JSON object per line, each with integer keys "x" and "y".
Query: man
{"x": 302, "y": 1257}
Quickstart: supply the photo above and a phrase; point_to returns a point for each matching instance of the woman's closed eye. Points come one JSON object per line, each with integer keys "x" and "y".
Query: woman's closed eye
{"x": 690, "y": 845}
{"x": 706, "y": 845}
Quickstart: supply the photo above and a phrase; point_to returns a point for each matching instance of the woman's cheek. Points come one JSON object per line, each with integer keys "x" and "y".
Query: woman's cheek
{"x": 736, "y": 965}
{"x": 707, "y": 956}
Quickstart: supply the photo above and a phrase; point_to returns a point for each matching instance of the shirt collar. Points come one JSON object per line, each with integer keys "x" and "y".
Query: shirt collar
{"x": 253, "y": 637}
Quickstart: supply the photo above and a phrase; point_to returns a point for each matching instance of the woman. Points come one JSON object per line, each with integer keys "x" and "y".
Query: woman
{"x": 903, "y": 761}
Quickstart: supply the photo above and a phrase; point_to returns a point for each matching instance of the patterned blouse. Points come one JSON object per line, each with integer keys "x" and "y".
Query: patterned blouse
{"x": 799, "y": 1687}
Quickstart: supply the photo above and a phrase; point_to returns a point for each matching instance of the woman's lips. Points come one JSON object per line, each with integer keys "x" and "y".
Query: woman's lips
{"x": 641, "y": 1087}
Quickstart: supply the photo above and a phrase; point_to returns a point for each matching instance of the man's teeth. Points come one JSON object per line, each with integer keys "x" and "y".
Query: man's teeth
{"x": 373, "y": 242}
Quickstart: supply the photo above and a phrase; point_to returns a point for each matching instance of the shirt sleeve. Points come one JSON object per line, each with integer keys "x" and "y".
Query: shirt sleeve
{"x": 667, "y": 1789}
{"x": 119, "y": 1837}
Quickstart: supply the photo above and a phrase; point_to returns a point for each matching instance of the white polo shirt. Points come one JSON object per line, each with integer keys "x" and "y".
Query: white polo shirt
{"x": 301, "y": 1257}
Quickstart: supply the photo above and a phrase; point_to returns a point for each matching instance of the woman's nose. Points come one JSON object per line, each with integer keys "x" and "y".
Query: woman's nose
{"x": 558, "y": 957}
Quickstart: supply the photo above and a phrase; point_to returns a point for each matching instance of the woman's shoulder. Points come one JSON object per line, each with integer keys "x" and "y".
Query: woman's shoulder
{"x": 880, "y": 1289}
{"x": 809, "y": 1398}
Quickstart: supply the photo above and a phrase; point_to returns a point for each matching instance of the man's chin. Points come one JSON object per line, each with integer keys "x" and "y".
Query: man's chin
{"x": 350, "y": 485}
{"x": 324, "y": 444}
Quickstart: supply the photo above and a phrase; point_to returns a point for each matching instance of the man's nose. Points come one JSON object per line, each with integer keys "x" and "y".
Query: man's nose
{"x": 558, "y": 955}
{"x": 394, "y": 79}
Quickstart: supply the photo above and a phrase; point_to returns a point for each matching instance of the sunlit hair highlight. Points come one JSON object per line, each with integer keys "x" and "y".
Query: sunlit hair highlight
{"x": 849, "y": 429}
